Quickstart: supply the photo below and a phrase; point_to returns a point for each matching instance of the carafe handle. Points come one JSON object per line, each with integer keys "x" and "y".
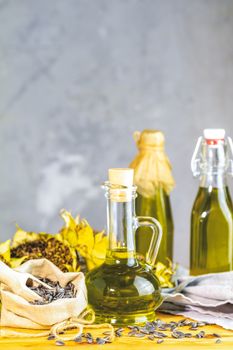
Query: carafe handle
{"x": 147, "y": 221}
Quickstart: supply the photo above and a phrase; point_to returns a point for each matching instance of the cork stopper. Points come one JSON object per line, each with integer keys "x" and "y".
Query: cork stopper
{"x": 121, "y": 176}
{"x": 149, "y": 138}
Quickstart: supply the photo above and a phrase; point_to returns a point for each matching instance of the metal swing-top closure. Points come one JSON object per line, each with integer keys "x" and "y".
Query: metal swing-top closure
{"x": 213, "y": 153}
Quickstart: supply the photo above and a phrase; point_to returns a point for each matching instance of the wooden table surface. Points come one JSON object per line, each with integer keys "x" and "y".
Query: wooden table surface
{"x": 126, "y": 342}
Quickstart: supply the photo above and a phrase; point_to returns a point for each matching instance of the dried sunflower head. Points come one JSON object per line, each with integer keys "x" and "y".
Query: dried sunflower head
{"x": 5, "y": 254}
{"x": 91, "y": 245}
{"x": 4, "y": 260}
{"x": 31, "y": 245}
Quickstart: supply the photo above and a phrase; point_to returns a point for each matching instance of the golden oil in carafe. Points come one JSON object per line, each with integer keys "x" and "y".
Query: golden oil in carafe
{"x": 211, "y": 246}
{"x": 154, "y": 180}
{"x": 123, "y": 290}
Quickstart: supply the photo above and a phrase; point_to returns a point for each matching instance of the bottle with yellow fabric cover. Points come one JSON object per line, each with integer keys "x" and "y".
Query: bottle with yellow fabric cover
{"x": 154, "y": 181}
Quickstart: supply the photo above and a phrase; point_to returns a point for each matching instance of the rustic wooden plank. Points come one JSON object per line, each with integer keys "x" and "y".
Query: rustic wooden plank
{"x": 126, "y": 342}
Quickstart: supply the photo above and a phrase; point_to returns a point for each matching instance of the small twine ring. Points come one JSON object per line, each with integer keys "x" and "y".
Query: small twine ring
{"x": 80, "y": 323}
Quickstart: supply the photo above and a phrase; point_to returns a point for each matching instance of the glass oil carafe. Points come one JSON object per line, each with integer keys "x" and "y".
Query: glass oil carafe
{"x": 211, "y": 246}
{"x": 154, "y": 181}
{"x": 123, "y": 290}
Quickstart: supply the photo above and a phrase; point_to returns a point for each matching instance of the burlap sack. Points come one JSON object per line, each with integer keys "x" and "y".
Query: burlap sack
{"x": 18, "y": 312}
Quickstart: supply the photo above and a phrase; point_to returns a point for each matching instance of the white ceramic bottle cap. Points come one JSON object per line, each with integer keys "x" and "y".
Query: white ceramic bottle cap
{"x": 121, "y": 176}
{"x": 214, "y": 134}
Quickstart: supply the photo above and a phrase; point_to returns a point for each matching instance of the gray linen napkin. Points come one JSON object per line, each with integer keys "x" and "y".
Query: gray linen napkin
{"x": 206, "y": 298}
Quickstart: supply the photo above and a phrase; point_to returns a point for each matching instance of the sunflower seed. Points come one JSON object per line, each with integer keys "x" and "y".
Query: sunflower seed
{"x": 216, "y": 335}
{"x": 159, "y": 341}
{"x": 201, "y": 334}
{"x": 188, "y": 335}
{"x": 100, "y": 341}
{"x": 218, "y": 341}
{"x": 178, "y": 335}
{"x": 51, "y": 337}
{"x": 59, "y": 343}
{"x": 139, "y": 335}
{"x": 78, "y": 339}
{"x": 151, "y": 337}
{"x": 159, "y": 334}
{"x": 118, "y": 334}
{"x": 132, "y": 333}
{"x": 144, "y": 331}
{"x": 119, "y": 329}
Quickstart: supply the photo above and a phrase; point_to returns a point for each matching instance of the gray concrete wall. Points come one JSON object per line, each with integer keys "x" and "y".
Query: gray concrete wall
{"x": 77, "y": 77}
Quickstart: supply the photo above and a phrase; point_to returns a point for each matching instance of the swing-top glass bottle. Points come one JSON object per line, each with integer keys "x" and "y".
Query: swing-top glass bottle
{"x": 211, "y": 248}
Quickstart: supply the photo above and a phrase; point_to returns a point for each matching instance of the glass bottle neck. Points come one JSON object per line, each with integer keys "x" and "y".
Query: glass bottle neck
{"x": 213, "y": 165}
{"x": 120, "y": 227}
{"x": 215, "y": 180}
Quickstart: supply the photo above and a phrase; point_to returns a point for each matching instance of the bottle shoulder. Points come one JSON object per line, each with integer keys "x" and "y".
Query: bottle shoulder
{"x": 210, "y": 201}
{"x": 136, "y": 272}
{"x": 158, "y": 204}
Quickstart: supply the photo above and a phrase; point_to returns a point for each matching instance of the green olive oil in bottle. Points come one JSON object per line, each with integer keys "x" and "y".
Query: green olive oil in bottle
{"x": 154, "y": 181}
{"x": 211, "y": 246}
{"x": 123, "y": 290}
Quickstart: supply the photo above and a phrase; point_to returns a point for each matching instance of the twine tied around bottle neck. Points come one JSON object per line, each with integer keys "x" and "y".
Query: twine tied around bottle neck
{"x": 152, "y": 169}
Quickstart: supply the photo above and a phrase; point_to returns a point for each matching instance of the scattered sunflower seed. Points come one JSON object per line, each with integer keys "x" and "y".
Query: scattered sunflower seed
{"x": 59, "y": 343}
{"x": 188, "y": 335}
{"x": 144, "y": 331}
{"x": 177, "y": 335}
{"x": 151, "y": 337}
{"x": 139, "y": 335}
{"x": 216, "y": 335}
{"x": 132, "y": 333}
{"x": 151, "y": 330}
{"x": 119, "y": 329}
{"x": 201, "y": 334}
{"x": 51, "y": 337}
{"x": 217, "y": 341}
{"x": 100, "y": 341}
{"x": 78, "y": 339}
